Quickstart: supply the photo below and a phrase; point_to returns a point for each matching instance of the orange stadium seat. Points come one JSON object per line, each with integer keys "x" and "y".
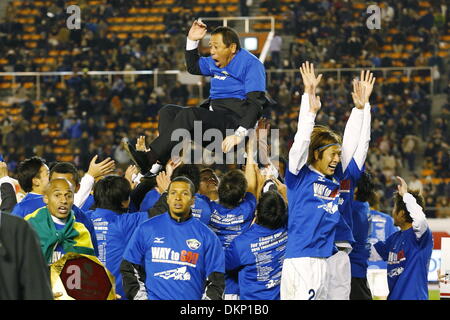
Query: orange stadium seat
{"x": 5, "y": 85}
{"x": 65, "y": 158}
{"x": 111, "y": 125}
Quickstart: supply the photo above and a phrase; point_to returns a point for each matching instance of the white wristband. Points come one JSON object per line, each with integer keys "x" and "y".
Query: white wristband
{"x": 241, "y": 132}
{"x": 191, "y": 44}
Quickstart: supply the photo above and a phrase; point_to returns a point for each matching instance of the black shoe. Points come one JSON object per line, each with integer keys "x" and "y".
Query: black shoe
{"x": 139, "y": 158}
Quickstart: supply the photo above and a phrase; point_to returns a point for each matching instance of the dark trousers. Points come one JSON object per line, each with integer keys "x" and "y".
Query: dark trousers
{"x": 360, "y": 289}
{"x": 173, "y": 117}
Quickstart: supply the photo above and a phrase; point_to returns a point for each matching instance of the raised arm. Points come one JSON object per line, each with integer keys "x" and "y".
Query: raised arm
{"x": 357, "y": 130}
{"x": 196, "y": 33}
{"x": 365, "y": 90}
{"x": 419, "y": 224}
{"x": 95, "y": 171}
{"x": 251, "y": 166}
{"x": 310, "y": 105}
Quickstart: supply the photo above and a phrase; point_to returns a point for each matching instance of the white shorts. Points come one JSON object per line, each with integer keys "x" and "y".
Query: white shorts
{"x": 378, "y": 284}
{"x": 339, "y": 276}
{"x": 304, "y": 279}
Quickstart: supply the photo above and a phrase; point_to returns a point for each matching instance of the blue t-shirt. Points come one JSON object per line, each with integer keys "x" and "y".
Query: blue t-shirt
{"x": 30, "y": 203}
{"x": 258, "y": 253}
{"x": 149, "y": 200}
{"x": 35, "y": 201}
{"x": 408, "y": 260}
{"x": 88, "y": 203}
{"x": 227, "y": 224}
{"x": 381, "y": 227}
{"x": 244, "y": 74}
{"x": 177, "y": 257}
{"x": 313, "y": 213}
{"x": 348, "y": 181}
{"x": 361, "y": 247}
{"x": 200, "y": 209}
{"x": 113, "y": 231}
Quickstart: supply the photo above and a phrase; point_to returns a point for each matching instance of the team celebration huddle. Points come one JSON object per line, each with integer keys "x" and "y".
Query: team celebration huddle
{"x": 172, "y": 227}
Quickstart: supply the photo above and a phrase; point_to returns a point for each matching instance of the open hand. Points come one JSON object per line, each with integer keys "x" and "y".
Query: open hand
{"x": 140, "y": 144}
{"x": 402, "y": 187}
{"x": 362, "y": 89}
{"x": 130, "y": 172}
{"x": 197, "y": 31}
{"x": 309, "y": 78}
{"x": 102, "y": 168}
{"x": 163, "y": 182}
{"x": 171, "y": 165}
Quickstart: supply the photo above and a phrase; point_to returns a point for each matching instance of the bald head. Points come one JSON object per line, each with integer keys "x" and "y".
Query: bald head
{"x": 59, "y": 197}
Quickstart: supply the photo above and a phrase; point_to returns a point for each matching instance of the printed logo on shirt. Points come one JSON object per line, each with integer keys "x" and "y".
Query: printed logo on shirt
{"x": 167, "y": 255}
{"x": 272, "y": 283}
{"x": 396, "y": 257}
{"x": 345, "y": 186}
{"x": 329, "y": 207}
{"x": 197, "y": 213}
{"x": 396, "y": 272}
{"x": 229, "y": 219}
{"x": 219, "y": 77}
{"x": 159, "y": 240}
{"x": 193, "y": 244}
{"x": 323, "y": 192}
{"x": 175, "y": 274}
{"x": 56, "y": 256}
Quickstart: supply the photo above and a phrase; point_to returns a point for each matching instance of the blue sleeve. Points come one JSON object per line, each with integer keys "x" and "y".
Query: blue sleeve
{"x": 426, "y": 239}
{"x": 249, "y": 203}
{"x": 149, "y": 200}
{"x": 293, "y": 180}
{"x": 205, "y": 208}
{"x": 18, "y": 211}
{"x": 88, "y": 203}
{"x": 129, "y": 222}
{"x": 353, "y": 171}
{"x": 232, "y": 257}
{"x": 382, "y": 249}
{"x": 203, "y": 197}
{"x": 215, "y": 261}
{"x": 255, "y": 77}
{"x": 135, "y": 250}
{"x": 343, "y": 231}
{"x": 204, "y": 63}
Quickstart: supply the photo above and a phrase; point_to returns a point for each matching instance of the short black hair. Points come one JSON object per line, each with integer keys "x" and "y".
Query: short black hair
{"x": 65, "y": 167}
{"x": 190, "y": 171}
{"x": 186, "y": 180}
{"x": 232, "y": 188}
{"x": 27, "y": 170}
{"x": 229, "y": 36}
{"x": 110, "y": 192}
{"x": 271, "y": 210}
{"x": 366, "y": 188}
